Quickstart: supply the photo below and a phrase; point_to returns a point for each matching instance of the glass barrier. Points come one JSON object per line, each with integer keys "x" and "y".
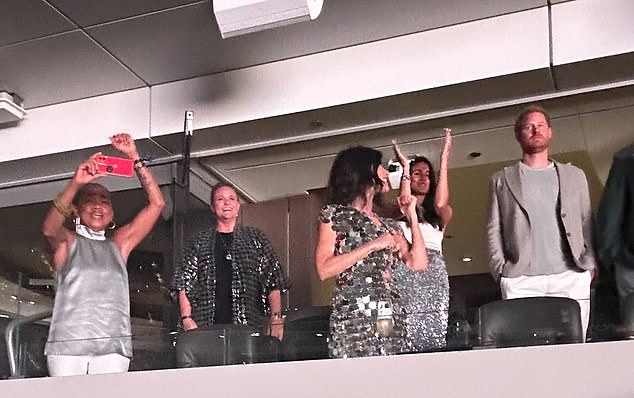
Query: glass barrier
{"x": 306, "y": 337}
{"x": 26, "y": 289}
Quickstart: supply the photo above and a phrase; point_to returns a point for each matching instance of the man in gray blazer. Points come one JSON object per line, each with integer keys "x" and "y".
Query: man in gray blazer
{"x": 539, "y": 232}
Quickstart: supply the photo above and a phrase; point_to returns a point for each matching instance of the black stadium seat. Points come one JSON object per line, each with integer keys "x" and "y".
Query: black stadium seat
{"x": 530, "y": 321}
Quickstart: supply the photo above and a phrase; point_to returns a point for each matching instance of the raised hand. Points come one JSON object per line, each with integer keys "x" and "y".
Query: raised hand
{"x": 446, "y": 147}
{"x": 407, "y": 204}
{"x": 88, "y": 170}
{"x": 125, "y": 144}
{"x": 402, "y": 159}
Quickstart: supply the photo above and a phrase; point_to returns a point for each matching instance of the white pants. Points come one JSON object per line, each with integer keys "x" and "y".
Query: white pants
{"x": 572, "y": 284}
{"x": 70, "y": 365}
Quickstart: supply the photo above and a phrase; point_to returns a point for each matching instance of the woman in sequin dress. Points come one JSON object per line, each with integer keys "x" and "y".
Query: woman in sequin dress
{"x": 425, "y": 295}
{"x": 360, "y": 249}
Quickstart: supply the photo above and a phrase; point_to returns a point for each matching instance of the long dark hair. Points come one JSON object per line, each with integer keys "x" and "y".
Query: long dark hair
{"x": 428, "y": 207}
{"x": 352, "y": 173}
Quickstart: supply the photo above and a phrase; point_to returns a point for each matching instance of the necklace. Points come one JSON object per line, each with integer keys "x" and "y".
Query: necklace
{"x": 228, "y": 256}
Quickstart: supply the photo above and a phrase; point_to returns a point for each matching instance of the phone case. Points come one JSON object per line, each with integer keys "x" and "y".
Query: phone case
{"x": 115, "y": 166}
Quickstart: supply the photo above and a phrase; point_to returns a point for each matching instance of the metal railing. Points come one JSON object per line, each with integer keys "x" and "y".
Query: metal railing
{"x": 9, "y": 338}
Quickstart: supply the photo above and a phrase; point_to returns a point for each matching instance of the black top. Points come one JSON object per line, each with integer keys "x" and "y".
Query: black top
{"x": 224, "y": 301}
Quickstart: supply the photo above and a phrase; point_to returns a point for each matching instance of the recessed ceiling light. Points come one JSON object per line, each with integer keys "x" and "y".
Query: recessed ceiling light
{"x": 475, "y": 154}
{"x": 467, "y": 259}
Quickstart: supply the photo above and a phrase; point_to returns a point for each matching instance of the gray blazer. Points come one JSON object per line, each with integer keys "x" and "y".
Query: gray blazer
{"x": 508, "y": 228}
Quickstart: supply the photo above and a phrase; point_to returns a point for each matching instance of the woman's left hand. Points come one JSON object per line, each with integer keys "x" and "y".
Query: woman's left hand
{"x": 125, "y": 144}
{"x": 407, "y": 204}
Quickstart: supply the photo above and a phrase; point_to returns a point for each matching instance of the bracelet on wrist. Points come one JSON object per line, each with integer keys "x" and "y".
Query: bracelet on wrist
{"x": 186, "y": 317}
{"x": 66, "y": 211}
{"x": 406, "y": 177}
{"x": 139, "y": 163}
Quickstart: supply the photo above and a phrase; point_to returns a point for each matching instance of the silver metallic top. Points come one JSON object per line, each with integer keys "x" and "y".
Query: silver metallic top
{"x": 91, "y": 315}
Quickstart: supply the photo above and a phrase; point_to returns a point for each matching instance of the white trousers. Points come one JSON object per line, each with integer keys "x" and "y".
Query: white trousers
{"x": 71, "y": 365}
{"x": 572, "y": 284}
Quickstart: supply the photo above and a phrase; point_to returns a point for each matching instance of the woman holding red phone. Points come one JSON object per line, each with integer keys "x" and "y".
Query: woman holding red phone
{"x": 90, "y": 329}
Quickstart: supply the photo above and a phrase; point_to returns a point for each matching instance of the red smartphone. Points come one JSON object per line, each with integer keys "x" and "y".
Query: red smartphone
{"x": 115, "y": 166}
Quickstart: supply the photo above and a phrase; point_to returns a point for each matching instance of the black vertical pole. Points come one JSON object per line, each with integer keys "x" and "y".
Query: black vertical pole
{"x": 180, "y": 191}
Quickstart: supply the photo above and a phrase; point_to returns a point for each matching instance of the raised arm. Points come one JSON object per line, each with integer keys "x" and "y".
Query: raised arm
{"x": 441, "y": 200}
{"x": 130, "y": 235}
{"x": 58, "y": 237}
{"x": 414, "y": 255}
{"x": 406, "y": 180}
{"x": 329, "y": 265}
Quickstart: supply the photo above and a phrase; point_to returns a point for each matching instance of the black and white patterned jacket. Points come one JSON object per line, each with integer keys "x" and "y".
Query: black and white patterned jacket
{"x": 256, "y": 272}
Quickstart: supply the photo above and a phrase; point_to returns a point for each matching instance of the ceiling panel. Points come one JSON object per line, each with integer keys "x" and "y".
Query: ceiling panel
{"x": 29, "y": 19}
{"x": 185, "y": 42}
{"x": 165, "y": 46}
{"x": 596, "y": 71}
{"x": 61, "y": 68}
{"x": 91, "y": 12}
{"x": 365, "y": 115}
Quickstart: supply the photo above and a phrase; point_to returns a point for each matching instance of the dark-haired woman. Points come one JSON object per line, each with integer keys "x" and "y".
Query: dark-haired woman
{"x": 90, "y": 329}
{"x": 425, "y": 295}
{"x": 360, "y": 249}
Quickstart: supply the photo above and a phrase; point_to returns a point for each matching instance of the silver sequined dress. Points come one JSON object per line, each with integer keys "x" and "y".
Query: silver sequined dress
{"x": 361, "y": 289}
{"x": 425, "y": 299}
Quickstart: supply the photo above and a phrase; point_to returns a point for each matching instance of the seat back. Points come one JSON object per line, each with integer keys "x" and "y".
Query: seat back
{"x": 627, "y": 311}
{"x": 217, "y": 345}
{"x": 530, "y": 321}
{"x": 306, "y": 332}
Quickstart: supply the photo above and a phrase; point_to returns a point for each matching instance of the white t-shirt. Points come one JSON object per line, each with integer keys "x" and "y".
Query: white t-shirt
{"x": 433, "y": 236}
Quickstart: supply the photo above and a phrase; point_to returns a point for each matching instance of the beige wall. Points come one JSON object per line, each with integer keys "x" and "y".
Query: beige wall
{"x": 291, "y": 226}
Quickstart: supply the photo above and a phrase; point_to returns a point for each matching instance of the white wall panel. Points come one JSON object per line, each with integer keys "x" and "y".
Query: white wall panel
{"x": 75, "y": 125}
{"x": 544, "y": 371}
{"x": 451, "y": 55}
{"x": 589, "y": 29}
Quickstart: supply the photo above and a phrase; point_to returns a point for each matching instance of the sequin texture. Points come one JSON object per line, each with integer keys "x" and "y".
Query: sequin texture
{"x": 362, "y": 289}
{"x": 256, "y": 272}
{"x": 425, "y": 299}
